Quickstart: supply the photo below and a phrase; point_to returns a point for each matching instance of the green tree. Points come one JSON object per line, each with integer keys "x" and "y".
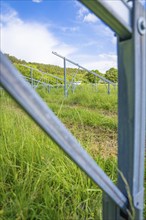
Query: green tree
{"x": 15, "y": 60}
{"x": 92, "y": 78}
{"x": 112, "y": 74}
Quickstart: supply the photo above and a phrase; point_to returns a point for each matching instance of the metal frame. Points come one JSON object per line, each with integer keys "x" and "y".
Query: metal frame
{"x": 116, "y": 15}
{"x": 79, "y": 66}
{"x": 37, "y": 82}
{"x": 44, "y": 73}
{"x": 131, "y": 97}
{"x": 65, "y": 84}
{"x": 51, "y": 75}
{"x": 32, "y": 80}
{"x": 132, "y": 115}
{"x": 32, "y": 103}
{"x": 130, "y": 26}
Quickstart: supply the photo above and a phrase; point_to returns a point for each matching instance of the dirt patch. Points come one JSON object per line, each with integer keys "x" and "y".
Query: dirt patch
{"x": 95, "y": 139}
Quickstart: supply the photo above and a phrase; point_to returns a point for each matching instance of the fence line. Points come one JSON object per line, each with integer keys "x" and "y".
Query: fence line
{"x": 15, "y": 84}
{"x": 130, "y": 25}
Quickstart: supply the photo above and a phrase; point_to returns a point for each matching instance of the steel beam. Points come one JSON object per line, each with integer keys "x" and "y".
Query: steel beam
{"x": 130, "y": 25}
{"x": 32, "y": 103}
{"x": 132, "y": 110}
{"x": 116, "y": 14}
{"x": 37, "y": 81}
{"x": 31, "y": 75}
{"x": 48, "y": 74}
{"x": 65, "y": 86}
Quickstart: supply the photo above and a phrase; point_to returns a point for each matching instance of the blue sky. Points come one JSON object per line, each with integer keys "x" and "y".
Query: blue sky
{"x": 32, "y": 29}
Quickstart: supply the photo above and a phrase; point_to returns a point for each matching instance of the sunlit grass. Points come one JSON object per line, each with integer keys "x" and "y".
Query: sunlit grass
{"x": 37, "y": 180}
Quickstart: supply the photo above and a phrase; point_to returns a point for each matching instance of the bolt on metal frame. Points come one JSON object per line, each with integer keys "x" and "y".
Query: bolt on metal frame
{"x": 129, "y": 24}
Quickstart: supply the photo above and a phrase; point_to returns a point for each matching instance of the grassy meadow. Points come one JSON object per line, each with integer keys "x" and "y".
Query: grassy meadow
{"x": 37, "y": 180}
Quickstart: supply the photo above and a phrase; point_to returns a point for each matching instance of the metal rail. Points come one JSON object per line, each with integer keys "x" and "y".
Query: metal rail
{"x": 41, "y": 82}
{"x": 48, "y": 74}
{"x": 132, "y": 115}
{"x": 130, "y": 25}
{"x": 76, "y": 64}
{"x": 116, "y": 15}
{"x": 38, "y": 81}
{"x": 31, "y": 102}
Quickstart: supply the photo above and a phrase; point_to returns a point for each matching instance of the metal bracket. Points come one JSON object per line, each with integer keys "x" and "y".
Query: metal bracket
{"x": 141, "y": 25}
{"x": 138, "y": 199}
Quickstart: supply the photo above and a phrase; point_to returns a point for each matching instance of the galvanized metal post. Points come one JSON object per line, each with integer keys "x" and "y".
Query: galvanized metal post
{"x": 132, "y": 112}
{"x": 48, "y": 88}
{"x": 130, "y": 26}
{"x": 65, "y": 86}
{"x": 108, "y": 90}
{"x": 96, "y": 84}
{"x": 57, "y": 83}
{"x": 79, "y": 66}
{"x": 31, "y": 76}
{"x": 73, "y": 86}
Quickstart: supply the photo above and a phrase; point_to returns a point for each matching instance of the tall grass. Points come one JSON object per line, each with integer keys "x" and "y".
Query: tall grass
{"x": 37, "y": 180}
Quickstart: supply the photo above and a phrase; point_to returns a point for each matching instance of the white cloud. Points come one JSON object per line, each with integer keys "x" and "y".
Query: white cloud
{"x": 37, "y": 1}
{"x": 84, "y": 14}
{"x": 82, "y": 10}
{"x": 34, "y": 42}
{"x": 69, "y": 29}
{"x": 107, "y": 32}
{"x": 102, "y": 62}
{"x": 31, "y": 41}
{"x": 90, "y": 18}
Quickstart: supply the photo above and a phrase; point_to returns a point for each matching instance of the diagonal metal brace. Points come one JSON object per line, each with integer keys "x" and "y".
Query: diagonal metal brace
{"x": 32, "y": 103}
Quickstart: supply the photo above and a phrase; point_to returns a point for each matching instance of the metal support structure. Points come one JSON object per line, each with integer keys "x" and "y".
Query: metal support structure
{"x": 49, "y": 88}
{"x": 116, "y": 15}
{"x": 72, "y": 83}
{"x": 125, "y": 201}
{"x": 37, "y": 82}
{"x": 130, "y": 26}
{"x": 32, "y": 103}
{"x": 65, "y": 86}
{"x": 96, "y": 87}
{"x": 132, "y": 114}
{"x": 44, "y": 73}
{"x": 79, "y": 66}
{"x": 108, "y": 88}
{"x": 31, "y": 76}
{"x": 40, "y": 80}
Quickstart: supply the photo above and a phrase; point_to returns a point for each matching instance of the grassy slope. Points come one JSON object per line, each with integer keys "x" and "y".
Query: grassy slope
{"x": 37, "y": 181}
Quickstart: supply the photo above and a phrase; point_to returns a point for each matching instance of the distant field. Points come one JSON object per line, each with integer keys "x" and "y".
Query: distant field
{"x": 37, "y": 180}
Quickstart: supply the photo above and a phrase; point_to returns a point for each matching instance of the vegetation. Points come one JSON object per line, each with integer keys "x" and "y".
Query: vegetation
{"x": 80, "y": 75}
{"x": 92, "y": 78}
{"x": 112, "y": 74}
{"x": 38, "y": 181}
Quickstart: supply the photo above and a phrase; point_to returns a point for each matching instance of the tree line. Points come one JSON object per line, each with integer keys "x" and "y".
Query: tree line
{"x": 80, "y": 75}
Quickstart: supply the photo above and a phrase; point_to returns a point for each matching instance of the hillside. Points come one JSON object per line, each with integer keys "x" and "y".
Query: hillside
{"x": 72, "y": 73}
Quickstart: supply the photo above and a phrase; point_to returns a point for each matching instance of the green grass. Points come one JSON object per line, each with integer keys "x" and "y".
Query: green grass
{"x": 37, "y": 180}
